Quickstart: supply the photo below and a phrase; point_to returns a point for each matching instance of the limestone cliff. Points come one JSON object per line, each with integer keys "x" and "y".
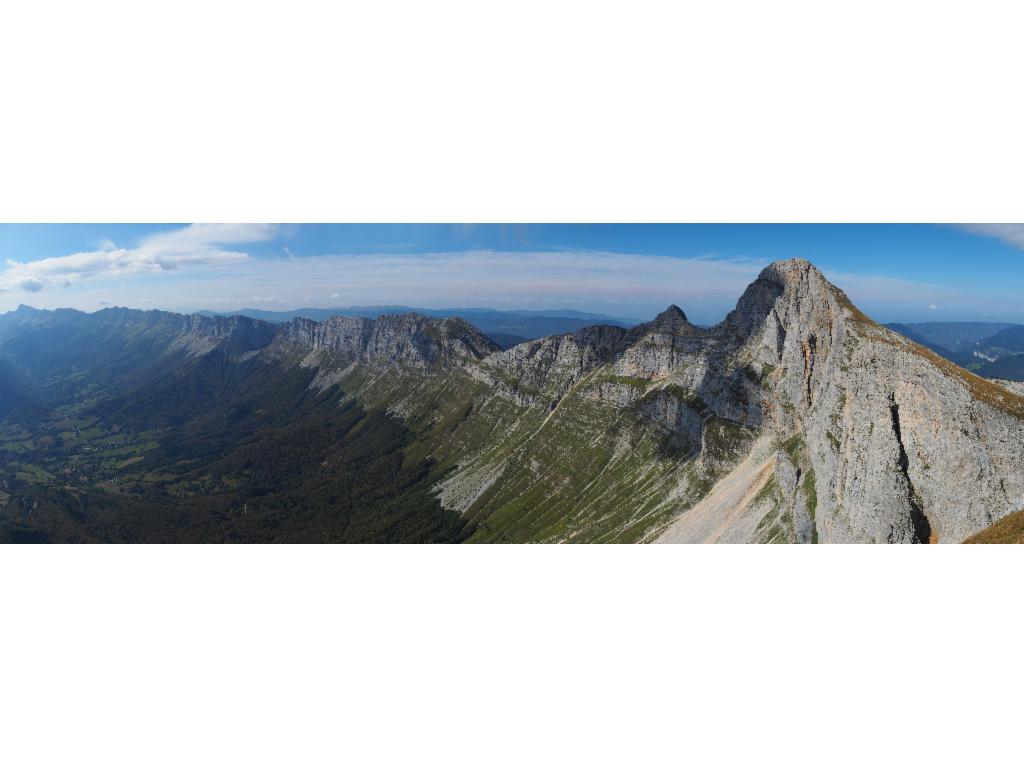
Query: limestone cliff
{"x": 411, "y": 340}
{"x": 899, "y": 445}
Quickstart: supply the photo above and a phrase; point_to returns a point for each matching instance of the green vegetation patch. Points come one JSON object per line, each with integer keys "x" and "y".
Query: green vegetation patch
{"x": 686, "y": 397}
{"x": 626, "y": 381}
{"x": 1008, "y": 530}
{"x": 794, "y": 447}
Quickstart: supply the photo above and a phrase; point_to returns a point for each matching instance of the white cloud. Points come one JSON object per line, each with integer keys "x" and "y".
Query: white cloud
{"x": 196, "y": 244}
{"x": 1010, "y": 233}
{"x": 933, "y": 306}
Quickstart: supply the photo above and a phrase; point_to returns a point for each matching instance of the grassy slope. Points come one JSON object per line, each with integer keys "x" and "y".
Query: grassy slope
{"x": 586, "y": 472}
{"x": 1009, "y": 530}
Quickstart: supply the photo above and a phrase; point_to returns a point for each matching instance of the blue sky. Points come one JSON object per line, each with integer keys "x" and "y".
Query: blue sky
{"x": 894, "y": 272}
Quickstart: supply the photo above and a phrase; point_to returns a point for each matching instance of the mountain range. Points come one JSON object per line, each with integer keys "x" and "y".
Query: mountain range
{"x": 796, "y": 419}
{"x": 992, "y": 350}
{"x": 505, "y": 327}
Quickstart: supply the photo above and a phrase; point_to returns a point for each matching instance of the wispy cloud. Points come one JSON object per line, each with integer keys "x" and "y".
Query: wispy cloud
{"x": 505, "y": 278}
{"x": 197, "y": 267}
{"x": 552, "y": 278}
{"x": 196, "y": 244}
{"x": 1010, "y": 233}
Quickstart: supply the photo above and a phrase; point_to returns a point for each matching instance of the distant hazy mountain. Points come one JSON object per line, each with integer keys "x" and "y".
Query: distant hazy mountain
{"x": 914, "y": 335}
{"x": 1009, "y": 339}
{"x": 507, "y": 328}
{"x": 955, "y": 336}
{"x": 992, "y": 350}
{"x": 796, "y": 419}
{"x": 1007, "y": 367}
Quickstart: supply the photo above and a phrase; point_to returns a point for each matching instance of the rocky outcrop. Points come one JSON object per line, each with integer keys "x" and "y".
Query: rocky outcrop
{"x": 410, "y": 340}
{"x": 681, "y": 415}
{"x": 909, "y": 448}
{"x": 655, "y": 349}
{"x": 1016, "y": 387}
{"x": 543, "y": 370}
{"x": 199, "y": 334}
{"x": 343, "y": 337}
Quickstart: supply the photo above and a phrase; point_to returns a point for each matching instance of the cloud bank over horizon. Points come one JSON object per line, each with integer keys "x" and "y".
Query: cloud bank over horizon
{"x": 236, "y": 266}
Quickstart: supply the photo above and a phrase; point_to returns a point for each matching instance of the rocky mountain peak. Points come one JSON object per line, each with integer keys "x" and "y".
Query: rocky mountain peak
{"x": 790, "y": 298}
{"x": 673, "y": 319}
{"x": 670, "y": 323}
{"x": 793, "y": 271}
{"x": 876, "y": 418}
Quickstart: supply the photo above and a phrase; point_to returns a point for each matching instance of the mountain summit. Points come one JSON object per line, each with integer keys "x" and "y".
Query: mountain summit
{"x": 673, "y": 319}
{"x": 795, "y": 419}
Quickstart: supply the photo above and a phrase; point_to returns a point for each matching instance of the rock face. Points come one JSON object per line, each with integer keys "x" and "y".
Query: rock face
{"x": 547, "y": 368}
{"x": 391, "y": 340}
{"x": 1017, "y": 387}
{"x": 200, "y": 334}
{"x": 654, "y": 349}
{"x": 903, "y": 446}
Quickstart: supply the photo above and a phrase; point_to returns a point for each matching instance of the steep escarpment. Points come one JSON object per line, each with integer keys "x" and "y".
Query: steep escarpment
{"x": 199, "y": 334}
{"x": 540, "y": 372}
{"x": 898, "y": 444}
{"x": 908, "y": 446}
{"x": 410, "y": 340}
